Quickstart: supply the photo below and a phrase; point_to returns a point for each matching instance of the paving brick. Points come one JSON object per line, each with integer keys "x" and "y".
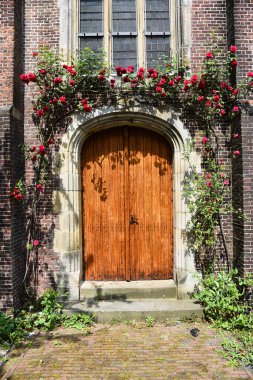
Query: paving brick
{"x": 122, "y": 352}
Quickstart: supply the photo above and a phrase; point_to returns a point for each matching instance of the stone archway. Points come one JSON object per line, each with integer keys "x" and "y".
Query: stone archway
{"x": 67, "y": 200}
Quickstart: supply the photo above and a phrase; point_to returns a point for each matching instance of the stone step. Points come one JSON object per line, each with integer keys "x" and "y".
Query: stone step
{"x": 120, "y": 290}
{"x": 138, "y": 310}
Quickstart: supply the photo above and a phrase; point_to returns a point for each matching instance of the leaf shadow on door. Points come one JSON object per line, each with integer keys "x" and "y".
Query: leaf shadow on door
{"x": 114, "y": 158}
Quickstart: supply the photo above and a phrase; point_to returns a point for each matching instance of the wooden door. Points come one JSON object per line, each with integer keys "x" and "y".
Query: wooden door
{"x": 127, "y": 204}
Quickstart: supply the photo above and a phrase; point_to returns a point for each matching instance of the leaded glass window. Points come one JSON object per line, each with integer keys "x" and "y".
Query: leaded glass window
{"x": 131, "y": 31}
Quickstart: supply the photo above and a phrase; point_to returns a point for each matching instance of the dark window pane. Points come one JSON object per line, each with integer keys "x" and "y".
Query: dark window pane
{"x": 124, "y": 51}
{"x": 91, "y": 16}
{"x": 156, "y": 47}
{"x": 124, "y": 16}
{"x": 94, "y": 43}
{"x": 157, "y": 16}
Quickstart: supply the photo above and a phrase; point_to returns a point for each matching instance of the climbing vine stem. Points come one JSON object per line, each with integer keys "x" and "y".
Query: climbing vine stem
{"x": 87, "y": 83}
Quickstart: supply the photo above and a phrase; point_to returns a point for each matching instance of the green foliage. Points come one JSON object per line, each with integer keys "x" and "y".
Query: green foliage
{"x": 7, "y": 325}
{"x": 77, "y": 321}
{"x": 224, "y": 297}
{"x": 150, "y": 321}
{"x": 89, "y": 62}
{"x": 238, "y": 349}
{"x": 46, "y": 314}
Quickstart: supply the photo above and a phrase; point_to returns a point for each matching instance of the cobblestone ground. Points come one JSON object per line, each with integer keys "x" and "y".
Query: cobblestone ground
{"x": 122, "y": 351}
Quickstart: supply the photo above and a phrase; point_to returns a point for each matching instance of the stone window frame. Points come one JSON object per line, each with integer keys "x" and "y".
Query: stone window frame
{"x": 180, "y": 29}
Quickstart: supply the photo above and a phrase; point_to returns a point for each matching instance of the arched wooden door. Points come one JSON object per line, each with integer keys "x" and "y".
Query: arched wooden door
{"x": 127, "y": 205}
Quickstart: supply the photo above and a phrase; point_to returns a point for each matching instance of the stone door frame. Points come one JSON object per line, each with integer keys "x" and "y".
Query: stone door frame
{"x": 67, "y": 199}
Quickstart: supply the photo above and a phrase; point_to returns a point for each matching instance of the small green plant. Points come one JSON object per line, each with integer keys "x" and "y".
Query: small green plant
{"x": 224, "y": 297}
{"x": 77, "y": 321}
{"x": 150, "y": 321}
{"x": 45, "y": 314}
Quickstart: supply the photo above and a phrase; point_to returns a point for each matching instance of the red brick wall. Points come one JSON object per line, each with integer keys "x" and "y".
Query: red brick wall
{"x": 11, "y": 163}
{"x": 207, "y": 16}
{"x": 41, "y": 29}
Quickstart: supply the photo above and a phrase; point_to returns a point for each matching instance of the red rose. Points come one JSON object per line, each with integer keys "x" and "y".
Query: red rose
{"x": 226, "y": 182}
{"x": 236, "y": 91}
{"x": 62, "y": 99}
{"x": 34, "y": 158}
{"x": 233, "y": 49}
{"x": 35, "y": 53}
{"x": 216, "y": 98}
{"x": 209, "y": 55}
{"x": 126, "y": 79}
{"x": 118, "y": 69}
{"x": 209, "y": 183}
{"x": 154, "y": 75}
{"x": 235, "y": 135}
{"x": 57, "y": 80}
{"x": 40, "y": 113}
{"x": 250, "y": 74}
{"x": 223, "y": 85}
{"x": 205, "y": 140}
{"x": 171, "y": 83}
{"x": 163, "y": 94}
{"x": 101, "y": 78}
{"x": 46, "y": 108}
{"x": 222, "y": 112}
{"x": 25, "y": 78}
{"x": 141, "y": 70}
{"x": 72, "y": 82}
{"x": 151, "y": 70}
{"x": 194, "y": 79}
{"x": 236, "y": 152}
{"x": 32, "y": 149}
{"x": 201, "y": 98}
{"x": 71, "y": 70}
{"x": 42, "y": 71}
{"x": 158, "y": 89}
{"x": 178, "y": 79}
{"x": 36, "y": 243}
{"x": 135, "y": 81}
{"x": 208, "y": 176}
{"x": 133, "y": 85}
{"x": 32, "y": 77}
{"x": 19, "y": 197}
{"x": 42, "y": 150}
{"x": 236, "y": 109}
{"x": 87, "y": 108}
{"x": 84, "y": 101}
{"x": 65, "y": 66}
{"x": 234, "y": 63}
{"x": 208, "y": 103}
{"x": 130, "y": 69}
{"x": 140, "y": 76}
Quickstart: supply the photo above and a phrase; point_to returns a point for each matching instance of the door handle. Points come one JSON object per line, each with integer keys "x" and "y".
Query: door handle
{"x": 133, "y": 220}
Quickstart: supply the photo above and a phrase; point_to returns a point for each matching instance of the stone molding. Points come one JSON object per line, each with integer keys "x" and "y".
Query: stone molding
{"x": 67, "y": 199}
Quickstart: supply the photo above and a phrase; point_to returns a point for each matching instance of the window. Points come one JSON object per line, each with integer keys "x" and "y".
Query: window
{"x": 132, "y": 32}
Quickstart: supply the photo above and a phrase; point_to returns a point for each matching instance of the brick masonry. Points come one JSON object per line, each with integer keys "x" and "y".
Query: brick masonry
{"x": 25, "y": 27}
{"x": 123, "y": 351}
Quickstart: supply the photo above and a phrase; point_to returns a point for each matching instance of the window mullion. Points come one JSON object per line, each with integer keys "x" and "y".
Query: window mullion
{"x": 141, "y": 45}
{"x": 107, "y": 25}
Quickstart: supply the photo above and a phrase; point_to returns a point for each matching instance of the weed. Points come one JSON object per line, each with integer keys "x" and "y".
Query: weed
{"x": 150, "y": 321}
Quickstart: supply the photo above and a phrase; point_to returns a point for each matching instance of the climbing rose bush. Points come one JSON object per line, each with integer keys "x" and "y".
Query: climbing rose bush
{"x": 87, "y": 83}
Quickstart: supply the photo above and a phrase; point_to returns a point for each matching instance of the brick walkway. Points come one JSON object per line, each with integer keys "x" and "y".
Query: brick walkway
{"x": 122, "y": 351}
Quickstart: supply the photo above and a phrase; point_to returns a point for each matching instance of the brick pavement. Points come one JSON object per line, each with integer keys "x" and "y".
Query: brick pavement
{"x": 122, "y": 351}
